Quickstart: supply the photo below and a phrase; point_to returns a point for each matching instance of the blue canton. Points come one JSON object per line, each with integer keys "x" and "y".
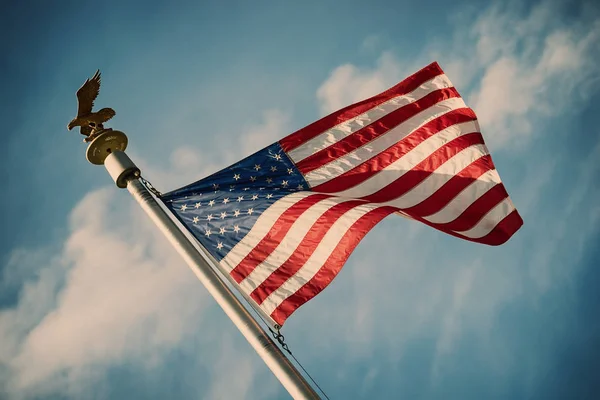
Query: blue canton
{"x": 221, "y": 209}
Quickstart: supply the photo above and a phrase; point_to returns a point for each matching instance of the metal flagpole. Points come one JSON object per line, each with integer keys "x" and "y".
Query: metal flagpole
{"x": 108, "y": 148}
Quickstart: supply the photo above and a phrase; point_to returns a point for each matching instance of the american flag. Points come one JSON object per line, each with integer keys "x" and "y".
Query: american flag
{"x": 283, "y": 221}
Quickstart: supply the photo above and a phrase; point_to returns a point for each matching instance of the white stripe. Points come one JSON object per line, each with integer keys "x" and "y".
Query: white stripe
{"x": 407, "y": 162}
{"x": 465, "y": 198}
{"x": 439, "y": 177}
{"x": 346, "y": 128}
{"x": 288, "y": 245}
{"x": 490, "y": 220}
{"x": 317, "y": 258}
{"x": 260, "y": 229}
{"x": 371, "y": 149}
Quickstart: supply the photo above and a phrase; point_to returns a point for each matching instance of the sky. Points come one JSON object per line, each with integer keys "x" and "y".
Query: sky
{"x": 95, "y": 304}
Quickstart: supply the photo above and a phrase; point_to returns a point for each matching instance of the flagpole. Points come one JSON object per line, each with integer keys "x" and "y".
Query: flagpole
{"x": 108, "y": 149}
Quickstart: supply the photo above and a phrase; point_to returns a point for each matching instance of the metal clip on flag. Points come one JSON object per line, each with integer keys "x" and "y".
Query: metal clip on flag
{"x": 281, "y": 223}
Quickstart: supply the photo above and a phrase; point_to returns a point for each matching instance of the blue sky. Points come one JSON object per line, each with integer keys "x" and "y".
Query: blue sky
{"x": 93, "y": 302}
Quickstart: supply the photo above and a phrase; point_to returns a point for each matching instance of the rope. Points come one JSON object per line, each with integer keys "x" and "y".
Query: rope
{"x": 311, "y": 378}
{"x": 281, "y": 340}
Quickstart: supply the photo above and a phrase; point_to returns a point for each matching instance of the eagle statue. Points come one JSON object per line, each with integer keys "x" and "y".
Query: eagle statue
{"x": 90, "y": 122}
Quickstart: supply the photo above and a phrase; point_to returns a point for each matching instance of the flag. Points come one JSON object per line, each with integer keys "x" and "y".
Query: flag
{"x": 282, "y": 222}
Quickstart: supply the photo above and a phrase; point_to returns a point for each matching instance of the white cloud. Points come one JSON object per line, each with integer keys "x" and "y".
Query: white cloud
{"x": 119, "y": 281}
{"x": 348, "y": 83}
{"x": 116, "y": 292}
{"x": 191, "y": 163}
{"x": 509, "y": 68}
{"x": 517, "y": 85}
{"x": 275, "y": 124}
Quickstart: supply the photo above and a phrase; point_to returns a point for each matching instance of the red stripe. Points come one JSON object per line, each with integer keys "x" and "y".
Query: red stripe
{"x": 270, "y": 242}
{"x": 333, "y": 265}
{"x": 296, "y": 139}
{"x": 476, "y": 211}
{"x": 452, "y": 188}
{"x": 424, "y": 169}
{"x": 500, "y": 234}
{"x": 374, "y": 165}
{"x": 504, "y": 230}
{"x": 374, "y": 130}
{"x": 305, "y": 249}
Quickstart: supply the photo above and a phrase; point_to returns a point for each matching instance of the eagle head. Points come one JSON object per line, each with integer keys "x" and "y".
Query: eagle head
{"x": 72, "y": 124}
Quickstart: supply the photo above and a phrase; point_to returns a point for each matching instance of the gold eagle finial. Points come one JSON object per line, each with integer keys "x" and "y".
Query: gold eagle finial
{"x": 90, "y": 122}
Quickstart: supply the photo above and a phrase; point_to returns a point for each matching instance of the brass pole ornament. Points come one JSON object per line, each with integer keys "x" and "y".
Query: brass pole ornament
{"x": 103, "y": 141}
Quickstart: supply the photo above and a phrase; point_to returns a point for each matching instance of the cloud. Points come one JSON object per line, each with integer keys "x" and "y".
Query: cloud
{"x": 541, "y": 82}
{"x": 119, "y": 281}
{"x": 190, "y": 163}
{"x": 275, "y": 124}
{"x": 118, "y": 294}
{"x": 115, "y": 293}
{"x": 510, "y": 68}
{"x": 348, "y": 83}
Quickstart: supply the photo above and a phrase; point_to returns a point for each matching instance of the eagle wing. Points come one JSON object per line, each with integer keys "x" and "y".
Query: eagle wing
{"x": 87, "y": 93}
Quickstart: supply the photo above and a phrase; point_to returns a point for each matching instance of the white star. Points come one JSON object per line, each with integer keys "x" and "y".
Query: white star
{"x": 236, "y": 228}
{"x": 273, "y": 168}
{"x": 300, "y": 187}
{"x": 215, "y": 186}
{"x": 211, "y": 203}
{"x": 269, "y": 180}
{"x": 240, "y": 198}
{"x": 195, "y": 220}
{"x": 257, "y": 166}
{"x": 236, "y": 176}
{"x": 236, "y": 213}
{"x": 226, "y": 200}
{"x": 277, "y": 157}
{"x": 244, "y": 189}
{"x": 219, "y": 245}
{"x": 223, "y": 215}
{"x": 269, "y": 196}
{"x": 208, "y": 233}
{"x": 284, "y": 183}
{"x": 253, "y": 178}
{"x": 198, "y": 204}
{"x": 290, "y": 171}
{"x": 250, "y": 211}
{"x": 209, "y": 217}
{"x": 254, "y": 196}
{"x": 231, "y": 187}
{"x": 222, "y": 231}
{"x": 183, "y": 207}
